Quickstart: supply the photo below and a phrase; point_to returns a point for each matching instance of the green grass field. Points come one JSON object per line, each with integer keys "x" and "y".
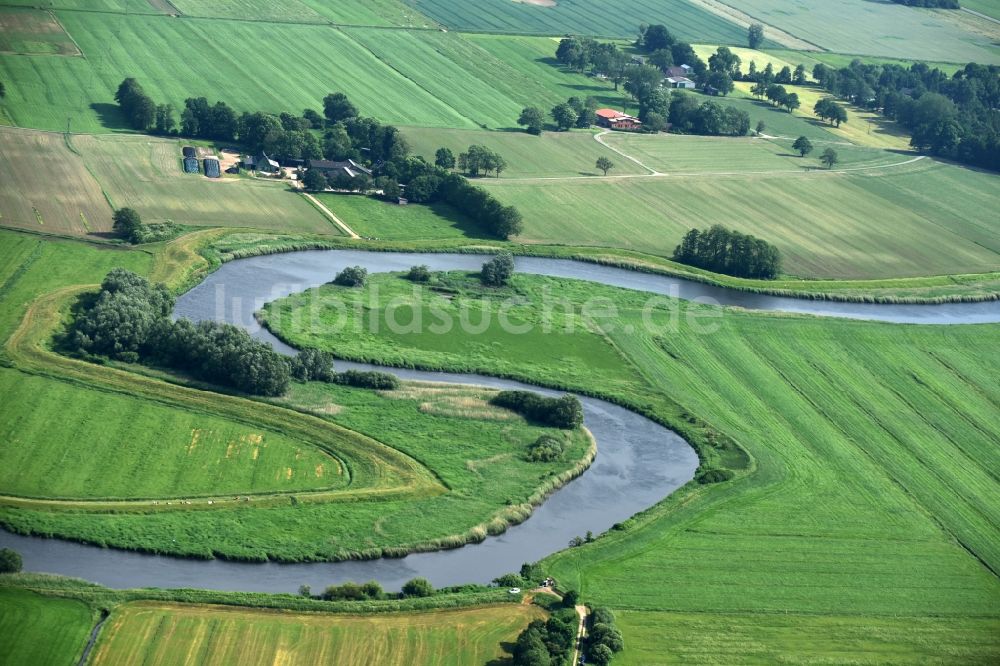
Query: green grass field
{"x": 694, "y": 155}
{"x": 115, "y": 446}
{"x": 29, "y": 31}
{"x": 422, "y": 78}
{"x": 987, "y": 7}
{"x": 40, "y": 630}
{"x": 374, "y": 218}
{"x": 662, "y": 637}
{"x": 164, "y": 634}
{"x": 882, "y": 29}
{"x": 33, "y": 161}
{"x": 551, "y": 154}
{"x": 292, "y": 11}
{"x": 589, "y": 17}
{"x": 822, "y": 223}
{"x": 97, "y": 172}
{"x": 872, "y": 492}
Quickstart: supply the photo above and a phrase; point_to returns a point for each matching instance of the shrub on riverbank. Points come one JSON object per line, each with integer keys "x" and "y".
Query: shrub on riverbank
{"x": 565, "y": 412}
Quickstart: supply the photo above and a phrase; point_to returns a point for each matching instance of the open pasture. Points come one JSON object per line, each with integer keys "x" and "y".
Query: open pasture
{"x": 373, "y": 218}
{"x": 663, "y": 637}
{"x": 687, "y": 154}
{"x": 33, "y": 31}
{"x": 422, "y": 78}
{"x": 582, "y": 17}
{"x": 882, "y": 29}
{"x": 42, "y": 631}
{"x": 288, "y": 11}
{"x": 115, "y": 446}
{"x": 220, "y": 60}
{"x": 166, "y": 634}
{"x": 571, "y": 153}
{"x": 863, "y": 127}
{"x": 35, "y": 162}
{"x": 878, "y": 223}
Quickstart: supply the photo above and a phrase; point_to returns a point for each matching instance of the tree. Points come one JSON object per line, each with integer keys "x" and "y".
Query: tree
{"x": 662, "y": 58}
{"x": 10, "y": 561}
{"x": 791, "y": 102}
{"x": 352, "y": 276}
{"x": 165, "y": 121}
{"x": 655, "y": 122}
{"x": 803, "y": 145}
{"x": 391, "y": 191}
{"x": 829, "y": 157}
{"x": 531, "y": 117}
{"x": 314, "y": 180}
{"x": 498, "y": 270}
{"x": 444, "y": 158}
{"x": 418, "y": 587}
{"x": 657, "y": 37}
{"x": 564, "y": 115}
{"x": 305, "y": 591}
{"x": 725, "y": 61}
{"x": 755, "y": 35}
{"x": 337, "y": 107}
{"x": 421, "y": 273}
{"x": 721, "y": 81}
{"x": 641, "y": 80}
{"x": 657, "y": 101}
{"x": 784, "y": 75}
{"x": 601, "y": 655}
{"x": 3, "y": 90}
{"x": 760, "y": 127}
{"x": 570, "y": 599}
{"x": 799, "y": 77}
{"x": 127, "y": 224}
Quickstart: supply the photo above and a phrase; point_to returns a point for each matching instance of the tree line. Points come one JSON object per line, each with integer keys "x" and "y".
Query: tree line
{"x": 955, "y": 116}
{"x": 129, "y": 320}
{"x": 729, "y": 252}
{"x": 689, "y": 116}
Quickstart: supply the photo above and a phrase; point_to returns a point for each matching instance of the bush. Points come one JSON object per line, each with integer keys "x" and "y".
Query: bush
{"x": 546, "y": 449}
{"x": 714, "y": 476}
{"x": 352, "y": 276}
{"x": 498, "y": 270}
{"x": 419, "y": 274}
{"x": 312, "y": 365}
{"x": 381, "y": 381}
{"x": 510, "y": 580}
{"x": 564, "y": 412}
{"x": 418, "y": 587}
{"x": 10, "y": 561}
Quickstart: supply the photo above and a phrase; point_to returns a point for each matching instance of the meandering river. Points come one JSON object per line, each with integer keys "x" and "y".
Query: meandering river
{"x": 639, "y": 462}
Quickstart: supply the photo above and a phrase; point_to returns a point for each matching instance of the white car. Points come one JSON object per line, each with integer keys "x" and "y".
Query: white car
{"x": 514, "y": 590}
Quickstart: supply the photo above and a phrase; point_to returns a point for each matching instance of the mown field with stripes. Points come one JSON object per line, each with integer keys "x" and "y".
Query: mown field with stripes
{"x": 176, "y": 634}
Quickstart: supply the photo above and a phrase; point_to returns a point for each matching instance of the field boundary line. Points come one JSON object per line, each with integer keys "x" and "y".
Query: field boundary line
{"x": 329, "y": 213}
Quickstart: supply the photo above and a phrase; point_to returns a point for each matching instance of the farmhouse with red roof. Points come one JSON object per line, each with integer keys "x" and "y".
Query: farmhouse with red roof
{"x": 617, "y": 120}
